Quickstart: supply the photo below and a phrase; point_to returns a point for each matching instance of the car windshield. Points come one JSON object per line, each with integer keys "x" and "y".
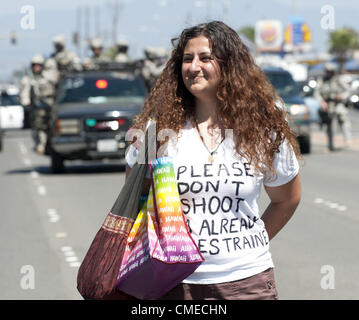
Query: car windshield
{"x": 284, "y": 84}
{"x": 102, "y": 89}
{"x": 9, "y": 100}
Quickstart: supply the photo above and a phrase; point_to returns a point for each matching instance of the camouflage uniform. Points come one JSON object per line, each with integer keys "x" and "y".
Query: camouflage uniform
{"x": 330, "y": 90}
{"x": 37, "y": 93}
{"x": 122, "y": 55}
{"x": 66, "y": 60}
{"x": 98, "y": 58}
{"x": 50, "y": 71}
{"x": 153, "y": 65}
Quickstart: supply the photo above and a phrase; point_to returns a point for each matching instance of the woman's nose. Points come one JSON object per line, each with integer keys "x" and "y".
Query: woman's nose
{"x": 195, "y": 65}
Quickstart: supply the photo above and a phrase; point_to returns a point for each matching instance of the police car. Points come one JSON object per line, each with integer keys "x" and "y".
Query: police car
{"x": 290, "y": 92}
{"x": 11, "y": 111}
{"x": 93, "y": 112}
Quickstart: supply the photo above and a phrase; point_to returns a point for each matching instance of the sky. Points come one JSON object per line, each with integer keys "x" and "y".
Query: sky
{"x": 147, "y": 22}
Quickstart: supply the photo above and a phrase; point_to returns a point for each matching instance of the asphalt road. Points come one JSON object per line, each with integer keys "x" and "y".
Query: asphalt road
{"x": 48, "y": 222}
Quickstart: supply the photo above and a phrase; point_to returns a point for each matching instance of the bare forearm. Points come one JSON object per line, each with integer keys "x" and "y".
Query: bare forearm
{"x": 276, "y": 216}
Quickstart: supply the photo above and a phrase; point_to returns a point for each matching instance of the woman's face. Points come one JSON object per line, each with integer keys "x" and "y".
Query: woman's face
{"x": 200, "y": 71}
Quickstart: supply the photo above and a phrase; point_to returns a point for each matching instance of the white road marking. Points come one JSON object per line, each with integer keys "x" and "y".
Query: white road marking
{"x": 41, "y": 190}
{"x": 69, "y": 253}
{"x": 70, "y": 256}
{"x": 23, "y": 149}
{"x": 66, "y": 249}
{"x": 34, "y": 174}
{"x": 53, "y": 216}
{"x": 75, "y": 264}
{"x": 71, "y": 259}
{"x": 330, "y": 204}
{"x": 27, "y": 162}
{"x": 61, "y": 235}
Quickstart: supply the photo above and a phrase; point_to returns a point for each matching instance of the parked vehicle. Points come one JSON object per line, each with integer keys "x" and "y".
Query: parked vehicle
{"x": 351, "y": 98}
{"x": 93, "y": 112}
{"x": 290, "y": 92}
{"x": 1, "y": 134}
{"x": 310, "y": 101}
{"x": 11, "y": 111}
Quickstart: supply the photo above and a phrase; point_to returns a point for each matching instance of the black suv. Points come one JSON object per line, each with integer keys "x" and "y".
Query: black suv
{"x": 93, "y": 112}
{"x": 291, "y": 94}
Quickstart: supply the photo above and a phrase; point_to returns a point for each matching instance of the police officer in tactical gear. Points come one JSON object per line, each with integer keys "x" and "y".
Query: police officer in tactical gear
{"x": 122, "y": 55}
{"x": 97, "y": 58}
{"x": 329, "y": 92}
{"x": 154, "y": 63}
{"x": 37, "y": 95}
{"x": 67, "y": 61}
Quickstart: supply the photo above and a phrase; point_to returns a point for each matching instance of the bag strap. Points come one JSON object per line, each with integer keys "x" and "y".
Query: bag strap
{"x": 147, "y": 151}
{"x": 154, "y": 200}
{"x": 127, "y": 202}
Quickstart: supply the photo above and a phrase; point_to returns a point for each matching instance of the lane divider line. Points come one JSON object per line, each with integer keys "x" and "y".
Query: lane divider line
{"x": 68, "y": 252}
{"x": 70, "y": 257}
{"x": 61, "y": 235}
{"x": 64, "y": 249}
{"x": 53, "y": 216}
{"x": 27, "y": 162}
{"x": 331, "y": 204}
{"x": 23, "y": 149}
{"x": 76, "y": 264}
{"x": 41, "y": 190}
{"x": 34, "y": 174}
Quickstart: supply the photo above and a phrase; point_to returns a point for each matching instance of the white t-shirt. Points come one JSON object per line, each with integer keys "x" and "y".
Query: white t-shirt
{"x": 219, "y": 201}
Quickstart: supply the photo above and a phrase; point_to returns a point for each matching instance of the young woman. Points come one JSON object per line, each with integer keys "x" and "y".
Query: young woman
{"x": 230, "y": 139}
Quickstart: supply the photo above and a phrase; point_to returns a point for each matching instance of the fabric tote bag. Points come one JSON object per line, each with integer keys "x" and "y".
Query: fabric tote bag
{"x": 97, "y": 275}
{"x": 160, "y": 251}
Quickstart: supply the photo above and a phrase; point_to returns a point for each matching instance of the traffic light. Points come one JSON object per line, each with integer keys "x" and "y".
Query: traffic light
{"x": 13, "y": 37}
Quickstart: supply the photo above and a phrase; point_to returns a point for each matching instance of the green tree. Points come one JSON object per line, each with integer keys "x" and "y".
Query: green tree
{"x": 247, "y": 31}
{"x": 341, "y": 44}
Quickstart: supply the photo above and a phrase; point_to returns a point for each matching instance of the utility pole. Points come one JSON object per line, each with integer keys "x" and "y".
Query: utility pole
{"x": 77, "y": 35}
{"x": 294, "y": 7}
{"x": 97, "y": 11}
{"x": 115, "y": 23}
{"x": 87, "y": 28}
{"x": 209, "y": 9}
{"x": 226, "y": 4}
{"x": 118, "y": 7}
{"x": 188, "y": 20}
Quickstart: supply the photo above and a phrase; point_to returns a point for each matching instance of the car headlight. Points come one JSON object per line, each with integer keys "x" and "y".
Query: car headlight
{"x": 312, "y": 83}
{"x": 67, "y": 126}
{"x": 298, "y": 109}
{"x": 354, "y": 98}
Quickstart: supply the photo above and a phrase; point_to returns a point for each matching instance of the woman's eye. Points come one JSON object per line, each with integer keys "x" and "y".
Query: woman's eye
{"x": 206, "y": 59}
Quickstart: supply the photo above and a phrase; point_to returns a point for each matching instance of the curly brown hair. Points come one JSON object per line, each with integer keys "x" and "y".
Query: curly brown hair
{"x": 247, "y": 100}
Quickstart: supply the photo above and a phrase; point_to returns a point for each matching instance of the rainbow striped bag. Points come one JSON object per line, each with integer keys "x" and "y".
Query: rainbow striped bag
{"x": 160, "y": 251}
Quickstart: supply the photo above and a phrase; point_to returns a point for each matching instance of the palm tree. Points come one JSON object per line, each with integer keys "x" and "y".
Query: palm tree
{"x": 341, "y": 44}
{"x": 247, "y": 31}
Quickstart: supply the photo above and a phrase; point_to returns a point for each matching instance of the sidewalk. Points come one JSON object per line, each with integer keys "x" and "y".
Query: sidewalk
{"x": 319, "y": 138}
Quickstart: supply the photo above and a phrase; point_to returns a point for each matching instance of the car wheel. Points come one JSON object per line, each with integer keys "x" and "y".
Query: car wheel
{"x": 304, "y": 144}
{"x": 57, "y": 163}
